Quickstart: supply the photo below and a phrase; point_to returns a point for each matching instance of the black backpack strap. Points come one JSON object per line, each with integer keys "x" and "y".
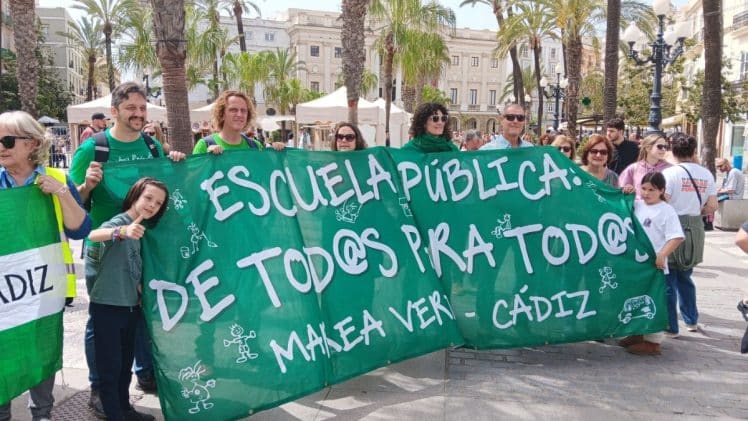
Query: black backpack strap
{"x": 209, "y": 141}
{"x": 250, "y": 142}
{"x": 101, "y": 147}
{"x": 151, "y": 145}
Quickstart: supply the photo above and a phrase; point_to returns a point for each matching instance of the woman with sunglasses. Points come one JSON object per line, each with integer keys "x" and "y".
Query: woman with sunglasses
{"x": 652, "y": 150}
{"x": 430, "y": 129}
{"x": 565, "y": 145}
{"x": 596, "y": 155}
{"x": 153, "y": 130}
{"x": 24, "y": 150}
{"x": 348, "y": 138}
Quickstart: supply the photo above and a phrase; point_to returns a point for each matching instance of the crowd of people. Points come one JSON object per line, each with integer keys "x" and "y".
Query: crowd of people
{"x": 671, "y": 197}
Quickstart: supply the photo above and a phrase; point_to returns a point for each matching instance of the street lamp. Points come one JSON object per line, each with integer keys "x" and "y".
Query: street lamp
{"x": 557, "y": 91}
{"x": 662, "y": 55}
{"x": 528, "y": 101}
{"x": 151, "y": 93}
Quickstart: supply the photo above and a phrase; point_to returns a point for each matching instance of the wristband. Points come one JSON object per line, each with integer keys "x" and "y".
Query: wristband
{"x": 122, "y": 233}
{"x": 62, "y": 190}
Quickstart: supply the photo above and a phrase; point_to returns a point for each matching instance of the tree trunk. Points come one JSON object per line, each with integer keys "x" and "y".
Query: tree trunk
{"x": 352, "y": 37}
{"x": 388, "y": 65}
{"x": 109, "y": 63}
{"x": 168, "y": 23}
{"x": 519, "y": 84}
{"x": 91, "y": 82}
{"x": 537, "y": 51}
{"x": 240, "y": 26}
{"x": 574, "y": 50}
{"x": 409, "y": 98}
{"x": 24, "y": 35}
{"x": 610, "y": 88}
{"x": 711, "y": 103}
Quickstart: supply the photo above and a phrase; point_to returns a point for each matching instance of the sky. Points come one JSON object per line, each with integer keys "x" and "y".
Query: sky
{"x": 478, "y": 17}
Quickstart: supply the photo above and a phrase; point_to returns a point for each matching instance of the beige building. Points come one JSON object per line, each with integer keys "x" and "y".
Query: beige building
{"x": 67, "y": 61}
{"x": 6, "y": 28}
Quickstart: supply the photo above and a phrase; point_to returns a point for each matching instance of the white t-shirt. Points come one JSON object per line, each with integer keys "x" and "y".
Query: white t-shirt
{"x": 683, "y": 197}
{"x": 734, "y": 181}
{"x": 660, "y": 223}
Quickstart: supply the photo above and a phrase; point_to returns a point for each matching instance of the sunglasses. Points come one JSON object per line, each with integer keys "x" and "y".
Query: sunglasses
{"x": 436, "y": 118}
{"x": 9, "y": 142}
{"x": 348, "y": 137}
{"x": 663, "y": 147}
{"x": 150, "y": 133}
{"x": 601, "y": 152}
{"x": 564, "y": 148}
{"x": 512, "y": 117}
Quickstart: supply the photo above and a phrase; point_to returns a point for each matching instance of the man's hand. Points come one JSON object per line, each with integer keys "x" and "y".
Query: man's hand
{"x": 215, "y": 149}
{"x": 278, "y": 146}
{"x": 177, "y": 156}
{"x": 94, "y": 174}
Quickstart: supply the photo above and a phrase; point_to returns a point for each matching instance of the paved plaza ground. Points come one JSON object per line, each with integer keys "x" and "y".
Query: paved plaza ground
{"x": 699, "y": 376}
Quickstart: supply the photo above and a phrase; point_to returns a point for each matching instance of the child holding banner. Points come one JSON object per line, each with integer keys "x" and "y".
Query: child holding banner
{"x": 114, "y": 285}
{"x": 660, "y": 223}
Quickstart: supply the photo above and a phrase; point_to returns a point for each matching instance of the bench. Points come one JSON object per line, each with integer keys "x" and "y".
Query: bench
{"x": 731, "y": 214}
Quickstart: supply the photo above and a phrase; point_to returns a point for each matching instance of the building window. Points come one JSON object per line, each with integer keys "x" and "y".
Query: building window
{"x": 494, "y": 63}
{"x": 492, "y": 97}
{"x": 269, "y": 36}
{"x": 743, "y": 65}
{"x": 248, "y": 35}
{"x": 455, "y": 60}
{"x": 338, "y": 52}
{"x": 473, "y": 96}
{"x": 553, "y": 53}
{"x": 314, "y": 51}
{"x": 474, "y": 61}
{"x": 453, "y": 95}
{"x": 523, "y": 52}
{"x": 550, "y": 107}
{"x": 314, "y": 86}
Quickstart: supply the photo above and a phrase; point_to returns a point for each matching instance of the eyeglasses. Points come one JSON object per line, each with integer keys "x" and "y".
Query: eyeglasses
{"x": 512, "y": 117}
{"x": 9, "y": 142}
{"x": 663, "y": 147}
{"x": 601, "y": 152}
{"x": 436, "y": 118}
{"x": 564, "y": 148}
{"x": 348, "y": 137}
{"x": 150, "y": 133}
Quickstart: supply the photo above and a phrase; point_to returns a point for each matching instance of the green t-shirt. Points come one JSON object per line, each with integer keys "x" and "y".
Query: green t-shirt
{"x": 201, "y": 146}
{"x": 104, "y": 203}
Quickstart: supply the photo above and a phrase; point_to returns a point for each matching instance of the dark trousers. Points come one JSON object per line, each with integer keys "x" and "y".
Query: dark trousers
{"x": 114, "y": 344}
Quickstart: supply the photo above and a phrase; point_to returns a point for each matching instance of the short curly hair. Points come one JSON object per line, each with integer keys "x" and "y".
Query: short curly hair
{"x": 423, "y": 113}
{"x": 219, "y": 109}
{"x": 593, "y": 140}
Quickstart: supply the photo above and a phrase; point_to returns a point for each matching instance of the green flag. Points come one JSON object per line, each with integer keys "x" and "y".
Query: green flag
{"x": 273, "y": 275}
{"x": 32, "y": 291}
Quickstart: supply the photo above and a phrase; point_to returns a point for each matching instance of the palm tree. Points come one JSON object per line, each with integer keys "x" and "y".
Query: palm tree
{"x": 237, "y": 8}
{"x": 24, "y": 35}
{"x": 247, "y": 70}
{"x": 110, "y": 13}
{"x": 423, "y": 57}
{"x": 498, "y": 11}
{"x": 138, "y": 53}
{"x": 612, "y": 39}
{"x": 369, "y": 81}
{"x": 711, "y": 103}
{"x": 534, "y": 22}
{"x": 87, "y": 37}
{"x": 282, "y": 65}
{"x": 210, "y": 39}
{"x": 168, "y": 26}
{"x": 353, "y": 14}
{"x": 528, "y": 81}
{"x": 399, "y": 18}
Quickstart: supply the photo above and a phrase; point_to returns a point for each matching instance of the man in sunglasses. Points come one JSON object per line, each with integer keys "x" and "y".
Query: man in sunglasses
{"x": 512, "y": 125}
{"x": 625, "y": 152}
{"x": 733, "y": 185}
{"x": 98, "y": 123}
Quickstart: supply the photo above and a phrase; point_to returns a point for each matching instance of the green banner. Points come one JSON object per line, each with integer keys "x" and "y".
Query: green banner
{"x": 273, "y": 275}
{"x": 32, "y": 291}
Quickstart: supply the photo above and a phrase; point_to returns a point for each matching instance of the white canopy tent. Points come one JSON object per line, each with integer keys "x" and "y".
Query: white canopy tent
{"x": 82, "y": 112}
{"x": 204, "y": 113}
{"x": 399, "y": 122}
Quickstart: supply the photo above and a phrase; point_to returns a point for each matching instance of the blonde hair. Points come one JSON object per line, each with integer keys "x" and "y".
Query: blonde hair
{"x": 23, "y": 124}
{"x": 222, "y": 102}
{"x": 647, "y": 144}
{"x": 559, "y": 140}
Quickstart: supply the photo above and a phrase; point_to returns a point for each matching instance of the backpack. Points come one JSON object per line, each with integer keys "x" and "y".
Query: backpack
{"x": 253, "y": 144}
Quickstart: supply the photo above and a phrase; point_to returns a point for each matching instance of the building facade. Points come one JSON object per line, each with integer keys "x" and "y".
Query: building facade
{"x": 67, "y": 61}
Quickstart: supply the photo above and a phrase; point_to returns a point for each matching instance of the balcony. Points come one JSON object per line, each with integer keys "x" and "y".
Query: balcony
{"x": 473, "y": 107}
{"x": 740, "y": 20}
{"x": 454, "y": 107}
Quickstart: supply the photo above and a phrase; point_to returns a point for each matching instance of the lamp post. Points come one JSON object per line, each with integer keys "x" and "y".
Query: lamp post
{"x": 150, "y": 93}
{"x": 557, "y": 91}
{"x": 662, "y": 54}
{"x": 528, "y": 101}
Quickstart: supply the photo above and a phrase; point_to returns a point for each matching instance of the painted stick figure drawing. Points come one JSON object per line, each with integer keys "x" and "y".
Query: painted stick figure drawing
{"x": 177, "y": 199}
{"x": 239, "y": 338}
{"x": 194, "y": 389}
{"x": 198, "y": 236}
{"x": 504, "y": 224}
{"x": 607, "y": 278}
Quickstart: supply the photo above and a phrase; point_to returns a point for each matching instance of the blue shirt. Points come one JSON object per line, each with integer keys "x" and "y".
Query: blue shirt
{"x": 8, "y": 182}
{"x": 500, "y": 142}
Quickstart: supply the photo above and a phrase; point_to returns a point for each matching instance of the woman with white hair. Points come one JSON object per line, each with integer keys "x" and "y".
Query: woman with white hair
{"x": 24, "y": 150}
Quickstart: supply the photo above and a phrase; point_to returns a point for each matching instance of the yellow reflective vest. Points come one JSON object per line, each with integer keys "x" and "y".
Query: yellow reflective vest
{"x": 67, "y": 255}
